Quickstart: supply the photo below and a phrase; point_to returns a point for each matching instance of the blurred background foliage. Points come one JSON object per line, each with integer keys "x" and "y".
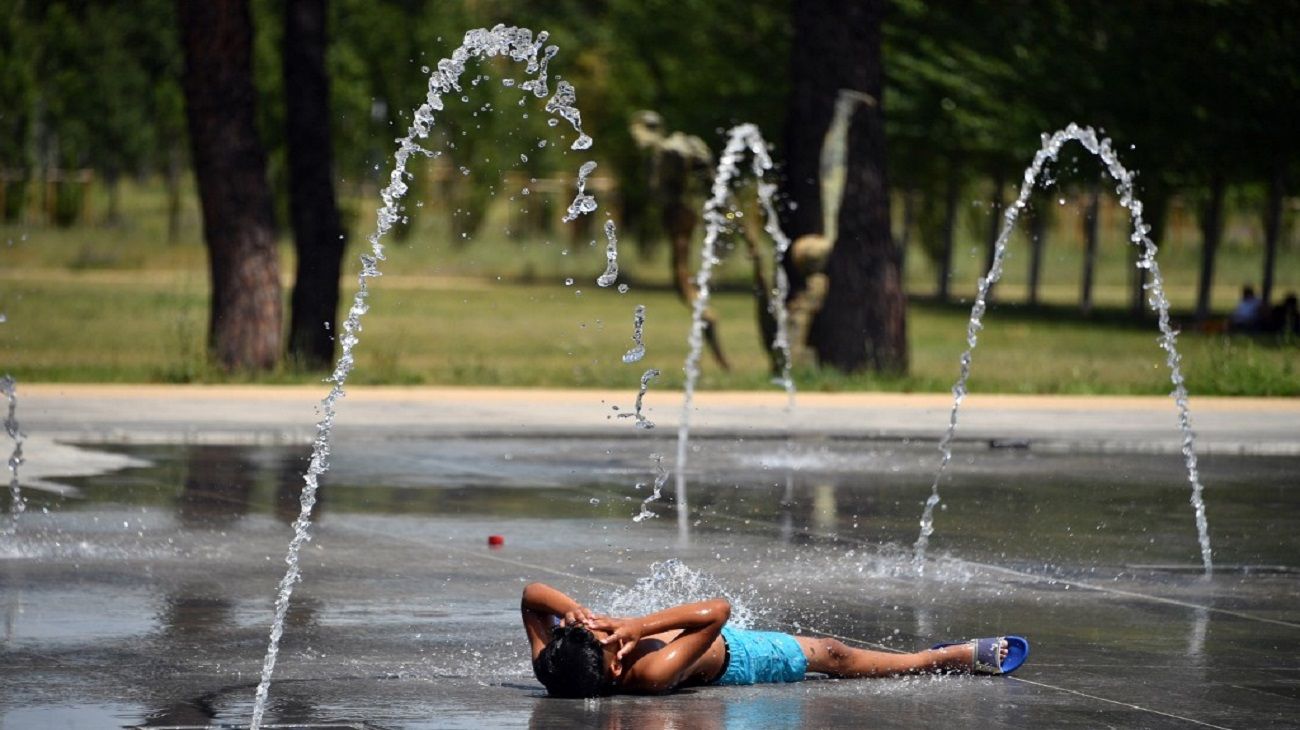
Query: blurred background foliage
{"x": 1193, "y": 91}
{"x": 1193, "y": 88}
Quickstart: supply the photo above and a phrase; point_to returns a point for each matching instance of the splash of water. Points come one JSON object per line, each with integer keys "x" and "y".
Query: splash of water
{"x": 661, "y": 476}
{"x": 1101, "y": 147}
{"x": 520, "y": 46}
{"x": 582, "y": 202}
{"x": 611, "y": 256}
{"x": 672, "y": 582}
{"x": 641, "y": 421}
{"x": 17, "y": 505}
{"x": 638, "y": 330}
{"x": 740, "y": 139}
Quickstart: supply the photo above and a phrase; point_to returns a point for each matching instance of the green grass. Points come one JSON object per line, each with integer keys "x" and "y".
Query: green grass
{"x": 88, "y": 326}
{"x": 120, "y": 304}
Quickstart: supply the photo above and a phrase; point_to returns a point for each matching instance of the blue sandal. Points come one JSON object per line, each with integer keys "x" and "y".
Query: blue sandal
{"x": 985, "y": 654}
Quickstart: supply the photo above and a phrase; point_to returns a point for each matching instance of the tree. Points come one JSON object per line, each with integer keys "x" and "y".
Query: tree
{"x": 1040, "y": 215}
{"x": 230, "y": 165}
{"x": 18, "y": 93}
{"x": 837, "y": 46}
{"x": 1269, "y": 70}
{"x": 1091, "y": 214}
{"x": 107, "y": 70}
{"x": 1211, "y": 220}
{"x": 815, "y": 81}
{"x": 313, "y": 211}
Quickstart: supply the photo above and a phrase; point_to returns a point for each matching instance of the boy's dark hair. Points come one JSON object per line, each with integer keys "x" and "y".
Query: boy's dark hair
{"x": 572, "y": 664}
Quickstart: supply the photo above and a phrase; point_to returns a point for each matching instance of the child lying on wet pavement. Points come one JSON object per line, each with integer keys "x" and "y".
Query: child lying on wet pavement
{"x": 578, "y": 653}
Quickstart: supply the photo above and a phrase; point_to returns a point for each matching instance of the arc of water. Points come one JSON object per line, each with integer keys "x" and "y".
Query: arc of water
{"x": 17, "y": 505}
{"x": 740, "y": 139}
{"x": 1101, "y": 147}
{"x": 521, "y": 46}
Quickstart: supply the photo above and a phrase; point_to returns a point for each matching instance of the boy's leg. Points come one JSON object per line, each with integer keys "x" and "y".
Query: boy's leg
{"x": 833, "y": 657}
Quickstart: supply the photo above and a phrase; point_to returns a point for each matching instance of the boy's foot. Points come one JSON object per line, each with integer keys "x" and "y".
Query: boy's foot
{"x": 998, "y": 655}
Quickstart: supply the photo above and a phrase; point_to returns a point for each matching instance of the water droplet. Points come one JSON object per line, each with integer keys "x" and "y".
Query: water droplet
{"x": 594, "y": 500}
{"x": 568, "y": 282}
{"x": 622, "y": 288}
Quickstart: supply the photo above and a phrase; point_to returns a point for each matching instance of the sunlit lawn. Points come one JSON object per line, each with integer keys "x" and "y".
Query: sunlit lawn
{"x": 108, "y": 327}
{"x": 121, "y": 305}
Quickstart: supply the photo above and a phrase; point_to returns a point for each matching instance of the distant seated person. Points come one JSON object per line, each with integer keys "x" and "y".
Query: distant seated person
{"x": 577, "y": 653}
{"x": 1284, "y": 319}
{"x": 1248, "y": 315}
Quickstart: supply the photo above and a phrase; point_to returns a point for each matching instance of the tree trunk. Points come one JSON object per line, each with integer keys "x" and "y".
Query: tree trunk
{"x": 822, "y": 53}
{"x": 230, "y": 165}
{"x": 995, "y": 226}
{"x": 317, "y": 231}
{"x": 1090, "y": 216}
{"x": 863, "y": 321}
{"x": 949, "y": 231}
{"x": 1038, "y": 216}
{"x": 1272, "y": 231}
{"x": 1211, "y": 232}
{"x": 816, "y": 78}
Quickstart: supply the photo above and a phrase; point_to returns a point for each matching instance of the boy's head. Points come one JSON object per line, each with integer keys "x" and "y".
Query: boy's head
{"x": 573, "y": 664}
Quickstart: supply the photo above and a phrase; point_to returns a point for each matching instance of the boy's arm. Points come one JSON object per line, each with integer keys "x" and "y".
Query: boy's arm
{"x": 540, "y": 606}
{"x": 663, "y": 669}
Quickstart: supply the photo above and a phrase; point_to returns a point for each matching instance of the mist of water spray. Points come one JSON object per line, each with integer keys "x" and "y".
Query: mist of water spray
{"x": 17, "y": 505}
{"x": 521, "y": 46}
{"x": 1051, "y": 147}
{"x": 741, "y": 139}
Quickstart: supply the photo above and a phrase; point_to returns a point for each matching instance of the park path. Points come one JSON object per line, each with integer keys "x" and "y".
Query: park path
{"x": 286, "y": 414}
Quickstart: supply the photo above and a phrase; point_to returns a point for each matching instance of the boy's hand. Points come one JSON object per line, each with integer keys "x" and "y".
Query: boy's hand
{"x": 579, "y": 616}
{"x": 626, "y": 632}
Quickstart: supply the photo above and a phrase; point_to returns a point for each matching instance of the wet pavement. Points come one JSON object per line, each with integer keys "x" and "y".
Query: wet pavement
{"x": 142, "y": 596}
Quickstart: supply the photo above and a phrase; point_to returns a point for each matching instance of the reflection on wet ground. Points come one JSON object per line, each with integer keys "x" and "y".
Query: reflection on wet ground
{"x": 145, "y": 601}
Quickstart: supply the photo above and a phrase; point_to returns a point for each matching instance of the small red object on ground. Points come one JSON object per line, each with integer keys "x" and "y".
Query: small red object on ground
{"x": 496, "y": 541}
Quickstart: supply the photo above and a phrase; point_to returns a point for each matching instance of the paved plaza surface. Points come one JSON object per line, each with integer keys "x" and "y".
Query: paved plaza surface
{"x": 137, "y": 590}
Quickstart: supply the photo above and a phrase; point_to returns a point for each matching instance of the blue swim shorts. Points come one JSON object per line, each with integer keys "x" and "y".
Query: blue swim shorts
{"x": 760, "y": 657}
